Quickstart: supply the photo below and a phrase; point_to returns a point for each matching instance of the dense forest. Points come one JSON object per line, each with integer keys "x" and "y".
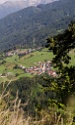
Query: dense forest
{"x": 31, "y": 26}
{"x": 47, "y": 100}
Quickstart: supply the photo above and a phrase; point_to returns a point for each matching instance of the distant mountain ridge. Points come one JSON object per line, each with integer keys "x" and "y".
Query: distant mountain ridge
{"x": 31, "y": 26}
{"x": 10, "y": 7}
{"x": 14, "y": 6}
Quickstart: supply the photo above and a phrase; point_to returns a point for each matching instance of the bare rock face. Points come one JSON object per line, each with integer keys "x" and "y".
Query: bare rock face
{"x": 14, "y": 6}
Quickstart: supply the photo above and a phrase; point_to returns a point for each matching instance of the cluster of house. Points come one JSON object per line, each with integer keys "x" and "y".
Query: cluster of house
{"x": 21, "y": 52}
{"x": 42, "y": 67}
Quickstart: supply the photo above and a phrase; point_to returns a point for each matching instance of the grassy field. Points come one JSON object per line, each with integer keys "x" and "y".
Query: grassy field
{"x": 35, "y": 57}
{"x": 27, "y": 61}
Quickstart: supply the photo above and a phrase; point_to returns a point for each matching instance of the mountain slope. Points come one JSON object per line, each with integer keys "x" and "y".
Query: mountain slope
{"x": 10, "y": 7}
{"x": 14, "y": 6}
{"x": 31, "y": 26}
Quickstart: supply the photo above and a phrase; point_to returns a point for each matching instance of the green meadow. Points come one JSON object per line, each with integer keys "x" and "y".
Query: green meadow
{"x": 27, "y": 60}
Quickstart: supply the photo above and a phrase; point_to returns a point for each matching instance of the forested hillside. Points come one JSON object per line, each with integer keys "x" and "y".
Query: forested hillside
{"x": 9, "y": 7}
{"x": 43, "y": 99}
{"x": 31, "y": 26}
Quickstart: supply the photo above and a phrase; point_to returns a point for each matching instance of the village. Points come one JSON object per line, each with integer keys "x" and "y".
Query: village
{"x": 37, "y": 68}
{"x": 21, "y": 52}
{"x": 40, "y": 68}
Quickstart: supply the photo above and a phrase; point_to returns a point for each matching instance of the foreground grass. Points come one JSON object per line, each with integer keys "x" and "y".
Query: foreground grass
{"x": 13, "y": 114}
{"x": 8, "y": 116}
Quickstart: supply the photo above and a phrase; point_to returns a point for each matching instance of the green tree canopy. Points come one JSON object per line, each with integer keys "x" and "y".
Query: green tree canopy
{"x": 61, "y": 45}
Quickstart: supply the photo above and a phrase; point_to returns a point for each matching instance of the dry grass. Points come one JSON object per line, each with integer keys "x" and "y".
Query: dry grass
{"x": 12, "y": 115}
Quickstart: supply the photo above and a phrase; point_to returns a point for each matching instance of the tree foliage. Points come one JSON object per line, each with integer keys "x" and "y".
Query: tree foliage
{"x": 61, "y": 45}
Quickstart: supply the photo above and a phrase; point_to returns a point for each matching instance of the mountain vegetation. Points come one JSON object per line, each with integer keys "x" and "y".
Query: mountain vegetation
{"x": 31, "y": 26}
{"x": 44, "y": 99}
{"x": 13, "y": 6}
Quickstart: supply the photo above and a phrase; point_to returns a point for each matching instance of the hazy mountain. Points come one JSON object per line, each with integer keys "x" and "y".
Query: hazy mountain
{"x": 14, "y": 6}
{"x": 31, "y": 26}
{"x": 10, "y": 7}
